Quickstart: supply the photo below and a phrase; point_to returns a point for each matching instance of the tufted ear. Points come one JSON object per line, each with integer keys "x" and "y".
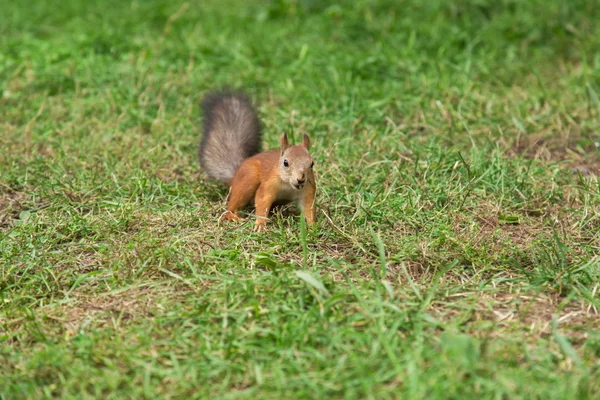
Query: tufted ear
{"x": 306, "y": 141}
{"x": 284, "y": 142}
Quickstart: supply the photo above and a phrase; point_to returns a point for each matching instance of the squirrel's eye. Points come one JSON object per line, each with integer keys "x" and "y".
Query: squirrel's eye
{"x": 312, "y": 164}
{"x": 285, "y": 163}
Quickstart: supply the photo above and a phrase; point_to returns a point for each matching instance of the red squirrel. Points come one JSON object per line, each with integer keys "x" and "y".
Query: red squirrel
{"x": 230, "y": 152}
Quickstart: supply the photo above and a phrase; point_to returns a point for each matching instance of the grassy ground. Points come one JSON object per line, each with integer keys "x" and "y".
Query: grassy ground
{"x": 457, "y": 249}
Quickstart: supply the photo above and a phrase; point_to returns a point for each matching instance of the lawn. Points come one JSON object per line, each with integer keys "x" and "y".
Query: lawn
{"x": 457, "y": 249}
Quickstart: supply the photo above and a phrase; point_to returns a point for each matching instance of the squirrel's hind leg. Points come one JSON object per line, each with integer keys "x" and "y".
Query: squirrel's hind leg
{"x": 241, "y": 192}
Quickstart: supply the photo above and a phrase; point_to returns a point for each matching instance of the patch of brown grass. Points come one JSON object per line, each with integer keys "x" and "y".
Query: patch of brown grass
{"x": 515, "y": 308}
{"x": 562, "y": 142}
{"x": 117, "y": 308}
{"x": 11, "y": 205}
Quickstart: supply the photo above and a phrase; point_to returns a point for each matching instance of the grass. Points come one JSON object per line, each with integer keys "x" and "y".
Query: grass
{"x": 457, "y": 249}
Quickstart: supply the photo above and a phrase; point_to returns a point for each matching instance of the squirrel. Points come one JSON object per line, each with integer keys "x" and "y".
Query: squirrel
{"x": 230, "y": 152}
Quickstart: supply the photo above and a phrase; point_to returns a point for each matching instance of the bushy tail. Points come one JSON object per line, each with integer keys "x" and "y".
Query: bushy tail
{"x": 232, "y": 133}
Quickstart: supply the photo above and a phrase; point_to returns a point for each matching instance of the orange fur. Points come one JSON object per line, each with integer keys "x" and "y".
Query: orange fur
{"x": 281, "y": 176}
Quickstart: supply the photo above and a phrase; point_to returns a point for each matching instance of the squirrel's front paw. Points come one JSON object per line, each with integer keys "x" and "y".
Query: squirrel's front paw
{"x": 229, "y": 216}
{"x": 261, "y": 224}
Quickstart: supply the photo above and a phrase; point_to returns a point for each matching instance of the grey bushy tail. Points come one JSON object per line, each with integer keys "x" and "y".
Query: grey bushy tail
{"x": 232, "y": 133}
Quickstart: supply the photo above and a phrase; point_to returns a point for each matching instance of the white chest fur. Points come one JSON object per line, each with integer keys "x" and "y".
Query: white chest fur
{"x": 287, "y": 192}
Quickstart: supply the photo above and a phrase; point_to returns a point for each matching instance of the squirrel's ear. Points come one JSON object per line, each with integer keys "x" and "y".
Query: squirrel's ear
{"x": 284, "y": 142}
{"x": 306, "y": 141}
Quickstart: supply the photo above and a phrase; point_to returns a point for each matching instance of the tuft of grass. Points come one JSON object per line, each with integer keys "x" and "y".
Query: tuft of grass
{"x": 456, "y": 249}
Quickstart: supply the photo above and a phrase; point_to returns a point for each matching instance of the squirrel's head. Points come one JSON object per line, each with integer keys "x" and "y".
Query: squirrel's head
{"x": 295, "y": 164}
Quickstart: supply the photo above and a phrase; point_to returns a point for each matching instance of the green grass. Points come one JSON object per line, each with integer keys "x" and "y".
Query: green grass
{"x": 457, "y": 251}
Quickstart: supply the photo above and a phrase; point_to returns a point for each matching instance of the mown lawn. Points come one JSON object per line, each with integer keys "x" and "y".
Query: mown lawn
{"x": 457, "y": 251}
